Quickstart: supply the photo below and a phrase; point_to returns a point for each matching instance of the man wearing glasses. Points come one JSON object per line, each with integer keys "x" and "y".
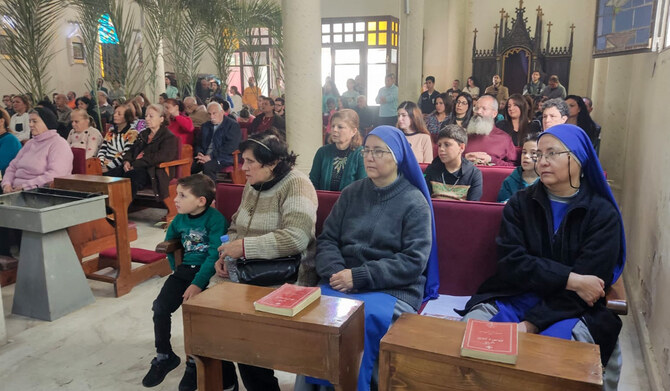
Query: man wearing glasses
{"x": 280, "y": 108}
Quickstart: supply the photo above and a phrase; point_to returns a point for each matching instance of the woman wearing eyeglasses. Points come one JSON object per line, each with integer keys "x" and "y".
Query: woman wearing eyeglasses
{"x": 561, "y": 246}
{"x": 461, "y": 111}
{"x": 379, "y": 239}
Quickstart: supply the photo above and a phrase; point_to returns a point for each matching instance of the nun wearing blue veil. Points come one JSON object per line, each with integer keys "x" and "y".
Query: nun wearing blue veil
{"x": 378, "y": 243}
{"x": 561, "y": 246}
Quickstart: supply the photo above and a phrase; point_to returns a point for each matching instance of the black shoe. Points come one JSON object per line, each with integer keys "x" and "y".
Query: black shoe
{"x": 189, "y": 382}
{"x": 159, "y": 369}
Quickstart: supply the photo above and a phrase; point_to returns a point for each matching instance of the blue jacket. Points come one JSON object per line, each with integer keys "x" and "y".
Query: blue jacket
{"x": 227, "y": 137}
{"x": 532, "y": 258}
{"x": 9, "y": 148}
{"x": 513, "y": 183}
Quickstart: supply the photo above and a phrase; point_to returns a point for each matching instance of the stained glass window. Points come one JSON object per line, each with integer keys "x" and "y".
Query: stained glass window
{"x": 107, "y": 31}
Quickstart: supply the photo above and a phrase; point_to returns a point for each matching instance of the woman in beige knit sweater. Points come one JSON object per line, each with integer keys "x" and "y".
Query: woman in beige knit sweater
{"x": 276, "y": 218}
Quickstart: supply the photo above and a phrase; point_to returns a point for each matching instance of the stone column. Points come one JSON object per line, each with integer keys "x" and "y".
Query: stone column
{"x": 302, "y": 75}
{"x": 160, "y": 73}
{"x": 410, "y": 51}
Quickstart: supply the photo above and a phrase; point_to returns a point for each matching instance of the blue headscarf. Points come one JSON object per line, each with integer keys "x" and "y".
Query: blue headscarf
{"x": 409, "y": 168}
{"x": 574, "y": 138}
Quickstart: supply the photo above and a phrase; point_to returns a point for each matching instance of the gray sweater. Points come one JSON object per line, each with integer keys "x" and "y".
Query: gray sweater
{"x": 383, "y": 235}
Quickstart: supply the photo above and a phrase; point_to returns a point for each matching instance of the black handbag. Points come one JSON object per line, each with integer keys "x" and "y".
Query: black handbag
{"x": 267, "y": 272}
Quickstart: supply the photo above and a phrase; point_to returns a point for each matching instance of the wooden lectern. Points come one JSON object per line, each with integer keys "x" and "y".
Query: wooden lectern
{"x": 93, "y": 237}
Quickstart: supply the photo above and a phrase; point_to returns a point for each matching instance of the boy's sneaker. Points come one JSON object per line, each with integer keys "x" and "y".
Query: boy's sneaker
{"x": 189, "y": 382}
{"x": 159, "y": 369}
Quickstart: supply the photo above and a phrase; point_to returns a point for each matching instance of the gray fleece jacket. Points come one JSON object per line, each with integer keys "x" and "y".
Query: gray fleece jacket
{"x": 383, "y": 235}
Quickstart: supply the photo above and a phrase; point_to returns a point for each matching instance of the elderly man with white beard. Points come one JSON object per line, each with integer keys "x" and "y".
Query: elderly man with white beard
{"x": 486, "y": 143}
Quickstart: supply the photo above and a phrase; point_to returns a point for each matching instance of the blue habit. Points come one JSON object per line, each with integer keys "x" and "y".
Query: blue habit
{"x": 378, "y": 316}
{"x": 410, "y": 169}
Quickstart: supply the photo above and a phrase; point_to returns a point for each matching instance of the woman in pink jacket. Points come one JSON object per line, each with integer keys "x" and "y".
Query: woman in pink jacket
{"x": 43, "y": 158}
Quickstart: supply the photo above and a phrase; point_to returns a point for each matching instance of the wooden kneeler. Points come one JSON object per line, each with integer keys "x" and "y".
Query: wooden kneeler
{"x": 111, "y": 237}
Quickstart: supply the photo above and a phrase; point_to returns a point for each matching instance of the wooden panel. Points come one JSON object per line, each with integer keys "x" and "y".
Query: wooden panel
{"x": 260, "y": 344}
{"x": 324, "y": 340}
{"x": 424, "y": 353}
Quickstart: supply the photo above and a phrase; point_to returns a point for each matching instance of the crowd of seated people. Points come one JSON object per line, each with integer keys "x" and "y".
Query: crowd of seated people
{"x": 379, "y": 176}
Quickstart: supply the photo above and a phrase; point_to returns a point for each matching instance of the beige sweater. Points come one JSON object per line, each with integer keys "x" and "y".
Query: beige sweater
{"x": 422, "y": 146}
{"x": 283, "y": 222}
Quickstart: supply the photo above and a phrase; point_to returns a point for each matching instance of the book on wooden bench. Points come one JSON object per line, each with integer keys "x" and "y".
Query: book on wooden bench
{"x": 288, "y": 299}
{"x": 493, "y": 341}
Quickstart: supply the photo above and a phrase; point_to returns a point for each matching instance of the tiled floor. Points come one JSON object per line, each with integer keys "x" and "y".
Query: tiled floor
{"x": 108, "y": 345}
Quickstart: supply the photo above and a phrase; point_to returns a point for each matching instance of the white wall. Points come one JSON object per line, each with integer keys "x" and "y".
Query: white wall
{"x": 350, "y": 8}
{"x": 631, "y": 94}
{"x": 64, "y": 77}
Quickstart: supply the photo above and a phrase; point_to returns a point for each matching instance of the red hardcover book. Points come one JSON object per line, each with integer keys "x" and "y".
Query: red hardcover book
{"x": 288, "y": 299}
{"x": 494, "y": 341}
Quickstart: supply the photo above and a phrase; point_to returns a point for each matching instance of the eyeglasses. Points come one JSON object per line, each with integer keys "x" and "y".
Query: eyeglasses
{"x": 550, "y": 156}
{"x": 376, "y": 153}
{"x": 461, "y": 103}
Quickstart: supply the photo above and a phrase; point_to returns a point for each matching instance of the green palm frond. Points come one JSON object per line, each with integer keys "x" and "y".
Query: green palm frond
{"x": 185, "y": 44}
{"x": 253, "y": 14}
{"x": 89, "y": 12}
{"x": 129, "y": 61}
{"x": 153, "y": 33}
{"x": 218, "y": 21}
{"x": 29, "y": 25}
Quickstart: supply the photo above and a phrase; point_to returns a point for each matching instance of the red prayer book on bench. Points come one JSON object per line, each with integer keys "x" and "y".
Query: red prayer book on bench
{"x": 288, "y": 299}
{"x": 493, "y": 341}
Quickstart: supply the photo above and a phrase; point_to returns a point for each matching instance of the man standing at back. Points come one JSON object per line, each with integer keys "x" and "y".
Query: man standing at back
{"x": 387, "y": 98}
{"x": 486, "y": 143}
{"x": 220, "y": 137}
{"x": 427, "y": 99}
{"x": 497, "y": 90}
{"x": 251, "y": 94}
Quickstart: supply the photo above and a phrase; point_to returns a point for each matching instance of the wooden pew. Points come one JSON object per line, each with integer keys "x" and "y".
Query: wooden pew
{"x": 175, "y": 169}
{"x": 466, "y": 252}
{"x": 113, "y": 232}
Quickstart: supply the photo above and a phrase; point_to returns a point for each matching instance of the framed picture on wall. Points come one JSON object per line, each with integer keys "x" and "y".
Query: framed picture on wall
{"x": 624, "y": 26}
{"x": 4, "y": 51}
{"x": 77, "y": 50}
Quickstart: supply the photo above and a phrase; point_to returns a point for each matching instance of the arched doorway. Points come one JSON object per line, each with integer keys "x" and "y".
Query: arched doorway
{"x": 515, "y": 69}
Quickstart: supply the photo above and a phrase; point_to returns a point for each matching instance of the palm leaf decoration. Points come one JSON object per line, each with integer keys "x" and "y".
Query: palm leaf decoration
{"x": 250, "y": 15}
{"x": 29, "y": 25}
{"x": 155, "y": 20}
{"x": 219, "y": 33}
{"x": 128, "y": 62}
{"x": 89, "y": 11}
{"x": 183, "y": 35}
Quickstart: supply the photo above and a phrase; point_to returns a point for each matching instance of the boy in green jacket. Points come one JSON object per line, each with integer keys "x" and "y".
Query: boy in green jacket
{"x": 200, "y": 227}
